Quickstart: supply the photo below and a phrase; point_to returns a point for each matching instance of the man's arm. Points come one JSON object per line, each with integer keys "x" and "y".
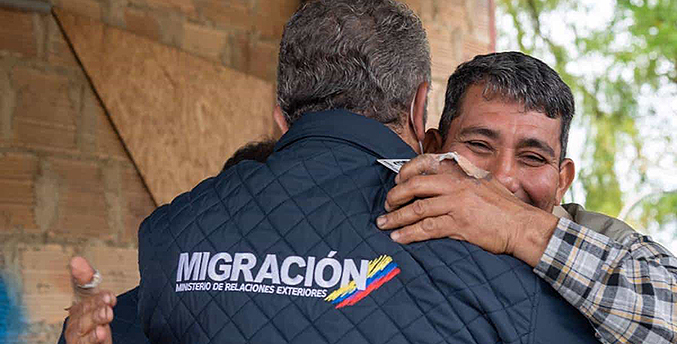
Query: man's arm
{"x": 449, "y": 202}
{"x": 627, "y": 289}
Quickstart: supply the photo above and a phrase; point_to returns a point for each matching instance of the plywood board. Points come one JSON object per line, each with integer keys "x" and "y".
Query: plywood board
{"x": 179, "y": 116}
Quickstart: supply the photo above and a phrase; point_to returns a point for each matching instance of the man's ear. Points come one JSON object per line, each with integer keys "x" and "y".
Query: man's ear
{"x": 419, "y": 110}
{"x": 567, "y": 172}
{"x": 279, "y": 118}
{"x": 433, "y": 141}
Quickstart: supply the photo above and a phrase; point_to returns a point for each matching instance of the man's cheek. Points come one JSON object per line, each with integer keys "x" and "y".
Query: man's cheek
{"x": 541, "y": 187}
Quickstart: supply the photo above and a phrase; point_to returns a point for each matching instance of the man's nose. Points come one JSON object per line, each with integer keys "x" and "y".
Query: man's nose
{"x": 504, "y": 170}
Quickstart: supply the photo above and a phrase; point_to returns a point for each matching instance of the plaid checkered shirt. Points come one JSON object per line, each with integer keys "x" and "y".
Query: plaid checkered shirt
{"x": 627, "y": 288}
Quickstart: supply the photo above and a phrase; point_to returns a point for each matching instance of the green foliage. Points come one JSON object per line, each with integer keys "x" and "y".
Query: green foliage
{"x": 655, "y": 210}
{"x": 654, "y": 30}
{"x": 631, "y": 52}
{"x": 660, "y": 209}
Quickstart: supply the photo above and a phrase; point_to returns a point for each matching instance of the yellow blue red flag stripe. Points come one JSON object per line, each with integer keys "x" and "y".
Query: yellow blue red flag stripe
{"x": 381, "y": 270}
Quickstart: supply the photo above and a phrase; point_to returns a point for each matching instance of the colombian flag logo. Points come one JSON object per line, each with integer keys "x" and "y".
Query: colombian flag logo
{"x": 381, "y": 270}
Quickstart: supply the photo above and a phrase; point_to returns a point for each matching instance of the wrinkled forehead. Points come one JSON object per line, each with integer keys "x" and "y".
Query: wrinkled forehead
{"x": 487, "y": 108}
{"x": 490, "y": 91}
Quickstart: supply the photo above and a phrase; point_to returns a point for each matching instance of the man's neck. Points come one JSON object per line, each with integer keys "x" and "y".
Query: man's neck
{"x": 407, "y": 135}
{"x": 386, "y": 141}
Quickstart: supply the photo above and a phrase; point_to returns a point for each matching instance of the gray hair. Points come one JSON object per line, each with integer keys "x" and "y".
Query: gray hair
{"x": 366, "y": 56}
{"x": 516, "y": 77}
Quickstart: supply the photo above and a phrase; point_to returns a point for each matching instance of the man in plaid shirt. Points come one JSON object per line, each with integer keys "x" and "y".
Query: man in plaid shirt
{"x": 622, "y": 281}
{"x": 509, "y": 114}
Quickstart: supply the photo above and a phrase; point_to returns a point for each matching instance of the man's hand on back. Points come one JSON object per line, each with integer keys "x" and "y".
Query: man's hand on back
{"x": 450, "y": 203}
{"x": 89, "y": 318}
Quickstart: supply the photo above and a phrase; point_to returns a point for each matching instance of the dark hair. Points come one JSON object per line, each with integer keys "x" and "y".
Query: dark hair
{"x": 366, "y": 56}
{"x": 515, "y": 77}
{"x": 257, "y": 151}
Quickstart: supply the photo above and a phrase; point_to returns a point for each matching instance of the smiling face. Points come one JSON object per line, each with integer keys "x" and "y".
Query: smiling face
{"x": 520, "y": 148}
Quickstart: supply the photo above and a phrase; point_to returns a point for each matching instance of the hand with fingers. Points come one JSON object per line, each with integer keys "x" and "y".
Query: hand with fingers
{"x": 448, "y": 202}
{"x": 90, "y": 316}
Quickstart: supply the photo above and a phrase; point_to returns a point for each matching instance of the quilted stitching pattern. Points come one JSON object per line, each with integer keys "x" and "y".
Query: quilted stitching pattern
{"x": 314, "y": 197}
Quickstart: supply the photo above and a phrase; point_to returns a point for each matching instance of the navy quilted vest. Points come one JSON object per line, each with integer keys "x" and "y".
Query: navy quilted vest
{"x": 287, "y": 252}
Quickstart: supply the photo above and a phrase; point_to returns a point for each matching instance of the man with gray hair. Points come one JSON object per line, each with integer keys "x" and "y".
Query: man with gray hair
{"x": 287, "y": 251}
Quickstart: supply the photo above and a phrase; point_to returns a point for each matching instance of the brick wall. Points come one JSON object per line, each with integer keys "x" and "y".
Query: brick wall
{"x": 244, "y": 34}
{"x": 161, "y": 99}
{"x": 239, "y": 34}
{"x": 67, "y": 184}
{"x": 457, "y": 31}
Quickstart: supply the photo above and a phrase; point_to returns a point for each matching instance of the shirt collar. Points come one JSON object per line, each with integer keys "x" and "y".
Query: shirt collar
{"x": 344, "y": 125}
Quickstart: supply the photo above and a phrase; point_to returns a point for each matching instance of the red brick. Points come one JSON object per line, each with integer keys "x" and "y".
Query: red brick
{"x": 184, "y": 6}
{"x": 481, "y": 26}
{"x": 86, "y": 133}
{"x": 263, "y": 60}
{"x": 47, "y": 197}
{"x": 138, "y": 203}
{"x": 19, "y": 212}
{"x": 426, "y": 9}
{"x": 45, "y": 114}
{"x": 17, "y": 34}
{"x": 228, "y": 14}
{"x": 46, "y": 282}
{"x": 7, "y": 101}
{"x": 445, "y": 52}
{"x": 118, "y": 266}
{"x": 203, "y": 41}
{"x": 270, "y": 28}
{"x": 481, "y": 7}
{"x": 14, "y": 216}
{"x": 44, "y": 135}
{"x": 473, "y": 47}
{"x": 17, "y": 199}
{"x": 83, "y": 211}
{"x": 98, "y": 132}
{"x": 142, "y": 23}
{"x": 113, "y": 13}
{"x": 450, "y": 12}
{"x": 171, "y": 29}
{"x": 238, "y": 52}
{"x": 88, "y": 8}
{"x": 108, "y": 142}
{"x": 271, "y": 16}
{"x": 18, "y": 166}
{"x": 16, "y": 192}
{"x": 282, "y": 9}
{"x": 59, "y": 52}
